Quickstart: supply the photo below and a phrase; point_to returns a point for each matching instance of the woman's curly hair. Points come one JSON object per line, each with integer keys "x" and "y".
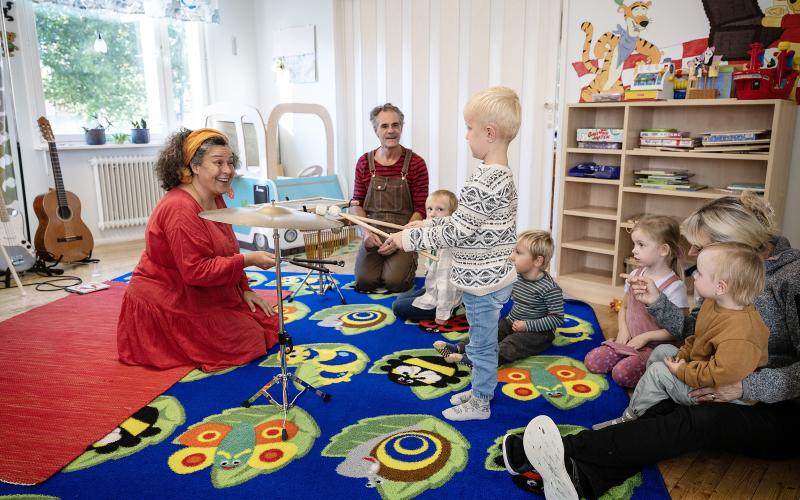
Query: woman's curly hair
{"x": 169, "y": 164}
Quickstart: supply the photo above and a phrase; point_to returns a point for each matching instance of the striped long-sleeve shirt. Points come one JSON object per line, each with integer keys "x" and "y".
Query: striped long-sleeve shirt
{"x": 482, "y": 232}
{"x": 539, "y": 303}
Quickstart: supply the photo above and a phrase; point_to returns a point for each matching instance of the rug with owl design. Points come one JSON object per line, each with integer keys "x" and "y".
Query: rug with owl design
{"x": 368, "y": 425}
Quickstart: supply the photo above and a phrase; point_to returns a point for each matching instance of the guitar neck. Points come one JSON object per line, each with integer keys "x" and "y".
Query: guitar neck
{"x": 59, "y": 180}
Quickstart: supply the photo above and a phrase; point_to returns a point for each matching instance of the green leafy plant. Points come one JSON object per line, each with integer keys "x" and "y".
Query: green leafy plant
{"x": 139, "y": 123}
{"x": 119, "y": 138}
{"x": 98, "y": 125}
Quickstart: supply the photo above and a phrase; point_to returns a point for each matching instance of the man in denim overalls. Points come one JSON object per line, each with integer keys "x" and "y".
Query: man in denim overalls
{"x": 391, "y": 183}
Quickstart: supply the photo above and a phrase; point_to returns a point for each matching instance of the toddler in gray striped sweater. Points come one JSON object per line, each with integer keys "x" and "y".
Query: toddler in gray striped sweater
{"x": 538, "y": 309}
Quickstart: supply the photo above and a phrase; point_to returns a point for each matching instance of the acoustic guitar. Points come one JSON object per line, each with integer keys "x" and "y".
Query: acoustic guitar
{"x": 18, "y": 250}
{"x": 61, "y": 236}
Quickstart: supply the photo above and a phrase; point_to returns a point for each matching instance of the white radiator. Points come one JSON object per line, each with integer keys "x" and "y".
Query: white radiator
{"x": 127, "y": 190}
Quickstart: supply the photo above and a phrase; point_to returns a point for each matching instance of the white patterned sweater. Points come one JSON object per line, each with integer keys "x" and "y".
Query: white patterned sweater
{"x": 482, "y": 232}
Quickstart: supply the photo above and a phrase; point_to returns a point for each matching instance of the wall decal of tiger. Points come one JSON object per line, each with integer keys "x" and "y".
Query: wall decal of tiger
{"x": 613, "y": 48}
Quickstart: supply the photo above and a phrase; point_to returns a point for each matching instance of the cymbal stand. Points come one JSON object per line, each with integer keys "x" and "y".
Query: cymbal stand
{"x": 285, "y": 346}
{"x": 325, "y": 280}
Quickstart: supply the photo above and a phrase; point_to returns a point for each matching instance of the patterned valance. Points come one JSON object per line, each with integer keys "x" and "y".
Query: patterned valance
{"x": 206, "y": 11}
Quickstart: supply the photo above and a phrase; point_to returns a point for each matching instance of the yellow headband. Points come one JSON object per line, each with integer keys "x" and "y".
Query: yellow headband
{"x": 194, "y": 140}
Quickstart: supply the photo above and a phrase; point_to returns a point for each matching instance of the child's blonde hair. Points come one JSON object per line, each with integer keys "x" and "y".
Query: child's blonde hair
{"x": 451, "y": 198}
{"x": 499, "y": 106}
{"x": 747, "y": 220}
{"x": 539, "y": 243}
{"x": 741, "y": 267}
{"x": 664, "y": 230}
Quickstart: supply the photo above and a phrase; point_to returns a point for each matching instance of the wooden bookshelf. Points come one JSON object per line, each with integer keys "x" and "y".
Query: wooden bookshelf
{"x": 593, "y": 235}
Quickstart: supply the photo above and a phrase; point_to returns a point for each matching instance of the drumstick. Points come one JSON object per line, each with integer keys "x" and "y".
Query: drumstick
{"x": 358, "y": 221}
{"x": 379, "y": 222}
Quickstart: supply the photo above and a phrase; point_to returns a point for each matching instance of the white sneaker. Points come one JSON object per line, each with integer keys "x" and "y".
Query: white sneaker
{"x": 474, "y": 409}
{"x": 461, "y": 397}
{"x": 545, "y": 451}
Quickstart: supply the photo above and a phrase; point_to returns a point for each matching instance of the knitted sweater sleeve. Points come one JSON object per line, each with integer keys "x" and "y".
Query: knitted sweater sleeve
{"x": 476, "y": 204}
{"x": 671, "y": 318}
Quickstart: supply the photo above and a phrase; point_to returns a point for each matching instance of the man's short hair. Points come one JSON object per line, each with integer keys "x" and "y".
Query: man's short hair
{"x": 373, "y": 115}
{"x": 498, "y": 106}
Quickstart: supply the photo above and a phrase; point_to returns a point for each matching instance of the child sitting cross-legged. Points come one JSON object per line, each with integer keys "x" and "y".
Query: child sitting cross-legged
{"x": 538, "y": 309}
{"x": 729, "y": 341}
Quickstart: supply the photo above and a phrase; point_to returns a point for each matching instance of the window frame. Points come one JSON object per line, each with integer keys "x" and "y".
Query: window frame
{"x": 166, "y": 100}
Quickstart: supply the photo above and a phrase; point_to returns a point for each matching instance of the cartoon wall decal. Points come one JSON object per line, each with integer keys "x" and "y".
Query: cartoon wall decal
{"x": 150, "y": 425}
{"x": 242, "y": 443}
{"x": 323, "y": 364}
{"x": 613, "y": 49}
{"x": 401, "y": 456}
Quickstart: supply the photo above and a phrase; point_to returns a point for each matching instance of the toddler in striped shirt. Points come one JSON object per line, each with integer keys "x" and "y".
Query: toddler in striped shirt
{"x": 538, "y": 309}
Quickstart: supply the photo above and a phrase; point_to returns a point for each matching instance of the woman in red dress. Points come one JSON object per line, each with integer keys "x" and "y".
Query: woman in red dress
{"x": 188, "y": 301}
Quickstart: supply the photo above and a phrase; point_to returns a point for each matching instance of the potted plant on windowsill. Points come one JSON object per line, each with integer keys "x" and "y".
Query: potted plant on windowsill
{"x": 96, "y": 136}
{"x": 140, "y": 134}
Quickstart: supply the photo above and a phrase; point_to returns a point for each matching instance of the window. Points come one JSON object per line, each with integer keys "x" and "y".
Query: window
{"x": 105, "y": 67}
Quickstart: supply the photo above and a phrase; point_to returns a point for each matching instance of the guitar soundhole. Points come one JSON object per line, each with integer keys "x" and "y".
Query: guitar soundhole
{"x": 64, "y": 212}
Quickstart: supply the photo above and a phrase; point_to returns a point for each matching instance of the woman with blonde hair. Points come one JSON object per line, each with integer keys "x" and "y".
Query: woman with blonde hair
{"x": 600, "y": 459}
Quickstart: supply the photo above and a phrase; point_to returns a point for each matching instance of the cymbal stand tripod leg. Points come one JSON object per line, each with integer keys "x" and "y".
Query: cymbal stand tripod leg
{"x": 285, "y": 345}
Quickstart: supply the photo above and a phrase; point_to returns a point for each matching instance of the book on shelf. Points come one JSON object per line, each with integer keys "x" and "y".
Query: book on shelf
{"x": 673, "y": 187}
{"x": 733, "y": 148}
{"x": 746, "y": 186}
{"x": 652, "y": 180}
{"x": 740, "y": 137}
{"x": 599, "y": 145}
{"x": 663, "y": 135}
{"x": 678, "y": 171}
{"x": 600, "y": 134}
{"x": 686, "y": 142}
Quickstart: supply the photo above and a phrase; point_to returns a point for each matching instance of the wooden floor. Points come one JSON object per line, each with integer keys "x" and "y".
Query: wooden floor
{"x": 700, "y": 475}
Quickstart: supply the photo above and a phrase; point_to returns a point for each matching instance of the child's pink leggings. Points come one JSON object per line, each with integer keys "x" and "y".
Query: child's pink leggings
{"x": 625, "y": 370}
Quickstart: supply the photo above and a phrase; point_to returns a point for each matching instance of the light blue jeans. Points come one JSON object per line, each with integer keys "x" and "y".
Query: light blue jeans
{"x": 483, "y": 314}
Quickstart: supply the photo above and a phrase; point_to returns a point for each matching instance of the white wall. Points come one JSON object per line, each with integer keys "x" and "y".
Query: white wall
{"x": 673, "y": 22}
{"x": 233, "y": 53}
{"x": 302, "y": 136}
{"x": 428, "y": 57}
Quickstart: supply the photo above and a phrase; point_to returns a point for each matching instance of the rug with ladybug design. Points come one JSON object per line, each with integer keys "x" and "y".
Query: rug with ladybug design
{"x": 378, "y": 431}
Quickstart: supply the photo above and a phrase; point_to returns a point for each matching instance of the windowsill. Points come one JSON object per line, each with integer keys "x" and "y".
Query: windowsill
{"x": 76, "y": 146}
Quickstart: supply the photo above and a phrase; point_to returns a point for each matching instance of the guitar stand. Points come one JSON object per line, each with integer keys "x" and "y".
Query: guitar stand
{"x": 326, "y": 281}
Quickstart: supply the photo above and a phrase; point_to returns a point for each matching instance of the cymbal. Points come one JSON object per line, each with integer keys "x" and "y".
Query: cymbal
{"x": 271, "y": 216}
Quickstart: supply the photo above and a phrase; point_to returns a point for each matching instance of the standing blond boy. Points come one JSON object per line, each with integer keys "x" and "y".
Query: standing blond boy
{"x": 482, "y": 233}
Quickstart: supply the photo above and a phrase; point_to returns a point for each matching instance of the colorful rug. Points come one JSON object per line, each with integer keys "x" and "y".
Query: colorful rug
{"x": 381, "y": 434}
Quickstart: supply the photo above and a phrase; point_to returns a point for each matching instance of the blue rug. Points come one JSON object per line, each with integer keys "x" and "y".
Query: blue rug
{"x": 381, "y": 435}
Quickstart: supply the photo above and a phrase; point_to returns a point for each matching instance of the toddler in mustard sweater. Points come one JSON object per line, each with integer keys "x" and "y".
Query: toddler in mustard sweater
{"x": 730, "y": 338}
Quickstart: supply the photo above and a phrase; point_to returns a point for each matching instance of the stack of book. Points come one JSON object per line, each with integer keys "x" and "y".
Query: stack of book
{"x": 748, "y": 140}
{"x": 669, "y": 139}
{"x": 599, "y": 138}
{"x": 676, "y": 180}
